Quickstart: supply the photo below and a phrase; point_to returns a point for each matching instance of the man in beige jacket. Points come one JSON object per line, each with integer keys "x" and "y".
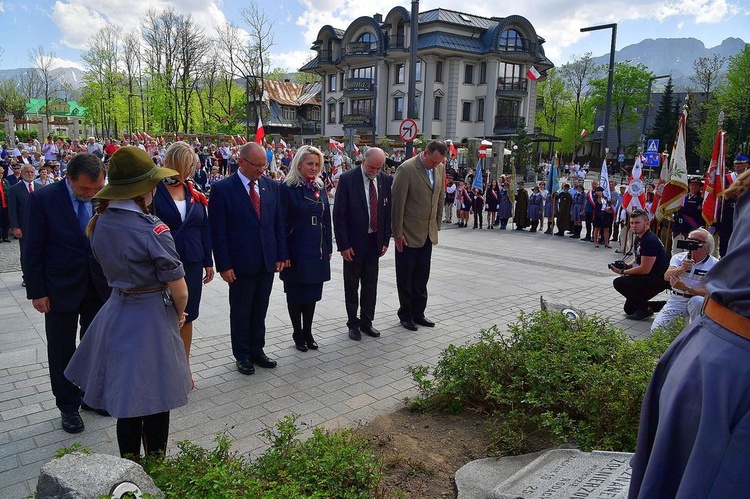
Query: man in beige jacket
{"x": 418, "y": 194}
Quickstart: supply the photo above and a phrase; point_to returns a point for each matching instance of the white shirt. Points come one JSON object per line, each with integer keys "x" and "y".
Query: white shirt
{"x": 246, "y": 183}
{"x": 366, "y": 183}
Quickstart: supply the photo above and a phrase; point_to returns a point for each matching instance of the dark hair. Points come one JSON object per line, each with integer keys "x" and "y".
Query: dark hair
{"x": 439, "y": 146}
{"x": 85, "y": 163}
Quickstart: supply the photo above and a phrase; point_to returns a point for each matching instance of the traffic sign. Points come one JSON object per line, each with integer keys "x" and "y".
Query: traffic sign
{"x": 653, "y": 145}
{"x": 651, "y": 159}
{"x": 407, "y": 130}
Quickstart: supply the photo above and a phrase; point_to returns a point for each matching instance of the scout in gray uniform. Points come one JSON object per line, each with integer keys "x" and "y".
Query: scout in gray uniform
{"x": 132, "y": 362}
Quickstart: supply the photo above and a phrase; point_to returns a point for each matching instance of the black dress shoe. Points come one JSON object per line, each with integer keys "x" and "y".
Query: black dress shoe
{"x": 263, "y": 361}
{"x": 639, "y": 315}
{"x": 245, "y": 367}
{"x": 355, "y": 334}
{"x": 310, "y": 344}
{"x": 424, "y": 322}
{"x": 409, "y": 325}
{"x": 370, "y": 331}
{"x": 72, "y": 422}
{"x": 301, "y": 346}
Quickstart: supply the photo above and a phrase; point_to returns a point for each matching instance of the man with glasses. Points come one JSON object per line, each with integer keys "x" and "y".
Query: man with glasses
{"x": 644, "y": 278}
{"x": 249, "y": 243}
{"x": 686, "y": 276}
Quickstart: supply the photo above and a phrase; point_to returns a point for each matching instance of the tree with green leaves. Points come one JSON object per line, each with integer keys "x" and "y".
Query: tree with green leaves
{"x": 734, "y": 98}
{"x": 556, "y": 97}
{"x": 630, "y": 84}
{"x": 665, "y": 121}
{"x": 102, "y": 77}
{"x": 12, "y": 101}
{"x": 578, "y": 75}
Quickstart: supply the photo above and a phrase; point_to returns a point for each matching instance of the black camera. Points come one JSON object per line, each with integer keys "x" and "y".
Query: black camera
{"x": 619, "y": 264}
{"x": 689, "y": 244}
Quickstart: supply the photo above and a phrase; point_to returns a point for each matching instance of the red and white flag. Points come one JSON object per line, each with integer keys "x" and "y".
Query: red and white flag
{"x": 676, "y": 187}
{"x": 260, "y": 134}
{"x": 452, "y": 148}
{"x": 584, "y": 132}
{"x": 273, "y": 144}
{"x": 282, "y": 143}
{"x": 635, "y": 196}
{"x": 714, "y": 184}
{"x": 532, "y": 74}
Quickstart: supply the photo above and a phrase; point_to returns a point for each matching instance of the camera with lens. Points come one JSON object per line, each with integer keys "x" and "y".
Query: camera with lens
{"x": 689, "y": 244}
{"x": 619, "y": 265}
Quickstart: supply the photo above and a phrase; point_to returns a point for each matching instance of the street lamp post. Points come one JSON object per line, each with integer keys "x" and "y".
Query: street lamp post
{"x": 610, "y": 79}
{"x": 648, "y": 108}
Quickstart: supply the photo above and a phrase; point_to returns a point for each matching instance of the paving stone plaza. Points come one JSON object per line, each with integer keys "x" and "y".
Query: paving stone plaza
{"x": 479, "y": 278}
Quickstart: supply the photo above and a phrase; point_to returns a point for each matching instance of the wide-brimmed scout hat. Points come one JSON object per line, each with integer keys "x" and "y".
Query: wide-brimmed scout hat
{"x": 132, "y": 172}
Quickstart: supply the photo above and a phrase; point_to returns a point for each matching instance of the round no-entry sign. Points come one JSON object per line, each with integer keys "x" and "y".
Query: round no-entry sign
{"x": 407, "y": 130}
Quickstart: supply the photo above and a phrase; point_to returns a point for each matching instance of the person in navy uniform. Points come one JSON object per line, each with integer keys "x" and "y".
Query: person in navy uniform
{"x": 689, "y": 217}
{"x": 726, "y": 220}
{"x": 62, "y": 280}
{"x": 362, "y": 238}
{"x": 694, "y": 428}
{"x": 307, "y": 216}
{"x": 536, "y": 202}
{"x": 504, "y": 206}
{"x": 183, "y": 208}
{"x": 249, "y": 244}
{"x": 131, "y": 362}
{"x": 577, "y": 210}
{"x": 200, "y": 176}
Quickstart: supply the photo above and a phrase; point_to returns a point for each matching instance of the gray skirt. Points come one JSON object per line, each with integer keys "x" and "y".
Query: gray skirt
{"x": 131, "y": 361}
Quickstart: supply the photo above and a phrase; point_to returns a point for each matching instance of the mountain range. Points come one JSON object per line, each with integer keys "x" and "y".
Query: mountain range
{"x": 661, "y": 56}
{"x": 675, "y": 56}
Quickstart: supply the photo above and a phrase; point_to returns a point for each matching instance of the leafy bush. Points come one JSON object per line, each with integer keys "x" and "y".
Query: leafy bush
{"x": 327, "y": 464}
{"x": 573, "y": 381}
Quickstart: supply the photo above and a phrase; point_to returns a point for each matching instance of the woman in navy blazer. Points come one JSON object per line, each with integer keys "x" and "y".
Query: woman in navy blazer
{"x": 178, "y": 204}
{"x": 307, "y": 216}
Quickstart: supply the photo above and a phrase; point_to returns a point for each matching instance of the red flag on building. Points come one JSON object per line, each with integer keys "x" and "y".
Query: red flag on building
{"x": 676, "y": 187}
{"x": 635, "y": 196}
{"x": 260, "y": 134}
{"x": 714, "y": 184}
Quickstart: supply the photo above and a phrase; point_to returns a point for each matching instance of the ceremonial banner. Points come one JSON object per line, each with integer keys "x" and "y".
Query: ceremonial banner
{"x": 552, "y": 183}
{"x": 714, "y": 184}
{"x": 478, "y": 178}
{"x": 635, "y": 196}
{"x": 676, "y": 186}
{"x": 604, "y": 179}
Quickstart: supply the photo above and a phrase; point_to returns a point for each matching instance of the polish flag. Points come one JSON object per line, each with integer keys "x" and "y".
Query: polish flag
{"x": 260, "y": 134}
{"x": 532, "y": 74}
{"x": 584, "y": 132}
{"x": 452, "y": 149}
{"x": 714, "y": 184}
{"x": 282, "y": 143}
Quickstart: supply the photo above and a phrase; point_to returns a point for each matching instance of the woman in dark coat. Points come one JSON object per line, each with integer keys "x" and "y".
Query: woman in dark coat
{"x": 564, "y": 203}
{"x": 178, "y": 204}
{"x": 492, "y": 200}
{"x": 603, "y": 215}
{"x": 504, "y": 206}
{"x": 522, "y": 206}
{"x": 309, "y": 241}
{"x": 477, "y": 203}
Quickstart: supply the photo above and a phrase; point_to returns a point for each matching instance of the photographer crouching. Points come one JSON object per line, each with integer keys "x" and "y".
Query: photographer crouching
{"x": 642, "y": 279}
{"x": 686, "y": 277}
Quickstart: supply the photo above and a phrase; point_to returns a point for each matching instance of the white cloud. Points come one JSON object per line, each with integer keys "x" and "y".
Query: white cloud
{"x": 58, "y": 62}
{"x": 2, "y": 7}
{"x": 292, "y": 60}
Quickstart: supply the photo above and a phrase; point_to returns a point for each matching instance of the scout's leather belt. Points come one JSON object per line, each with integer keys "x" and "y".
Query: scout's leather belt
{"x": 729, "y": 319}
{"x": 139, "y": 291}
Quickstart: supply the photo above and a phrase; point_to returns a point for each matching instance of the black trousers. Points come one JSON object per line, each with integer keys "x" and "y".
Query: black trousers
{"x": 248, "y": 304}
{"x": 60, "y": 329}
{"x": 638, "y": 290}
{"x": 363, "y": 272}
{"x": 152, "y": 430}
{"x": 412, "y": 274}
{"x": 4, "y": 223}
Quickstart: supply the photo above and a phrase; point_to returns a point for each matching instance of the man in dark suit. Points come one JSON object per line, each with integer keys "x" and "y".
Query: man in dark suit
{"x": 362, "y": 235}
{"x": 249, "y": 243}
{"x": 62, "y": 279}
{"x": 200, "y": 177}
{"x": 18, "y": 196}
{"x": 418, "y": 196}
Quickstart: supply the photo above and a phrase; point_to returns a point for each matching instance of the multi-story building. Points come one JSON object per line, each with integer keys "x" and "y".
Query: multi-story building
{"x": 291, "y": 109}
{"x": 470, "y": 75}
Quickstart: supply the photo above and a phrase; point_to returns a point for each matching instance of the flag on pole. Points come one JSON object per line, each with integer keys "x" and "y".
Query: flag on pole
{"x": 452, "y": 149}
{"x": 676, "y": 187}
{"x": 260, "y": 134}
{"x": 584, "y": 132}
{"x": 282, "y": 143}
{"x": 714, "y": 184}
{"x": 478, "y": 177}
{"x": 273, "y": 144}
{"x": 663, "y": 179}
{"x": 532, "y": 74}
{"x": 635, "y": 196}
{"x": 604, "y": 178}
{"x": 552, "y": 183}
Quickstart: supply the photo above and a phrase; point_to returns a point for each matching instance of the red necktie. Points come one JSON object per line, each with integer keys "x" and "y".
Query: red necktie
{"x": 373, "y": 207}
{"x": 254, "y": 198}
{"x": 31, "y": 189}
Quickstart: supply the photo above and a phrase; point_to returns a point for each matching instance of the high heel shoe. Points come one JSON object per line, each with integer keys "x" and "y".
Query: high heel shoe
{"x": 299, "y": 342}
{"x": 310, "y": 342}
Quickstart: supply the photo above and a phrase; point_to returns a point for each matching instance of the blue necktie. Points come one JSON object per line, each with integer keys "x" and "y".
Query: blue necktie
{"x": 83, "y": 216}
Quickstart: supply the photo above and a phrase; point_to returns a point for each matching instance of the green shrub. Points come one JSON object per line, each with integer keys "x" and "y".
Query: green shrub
{"x": 570, "y": 381}
{"x": 327, "y": 464}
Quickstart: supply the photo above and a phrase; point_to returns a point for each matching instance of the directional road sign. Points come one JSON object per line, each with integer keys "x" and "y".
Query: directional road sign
{"x": 407, "y": 130}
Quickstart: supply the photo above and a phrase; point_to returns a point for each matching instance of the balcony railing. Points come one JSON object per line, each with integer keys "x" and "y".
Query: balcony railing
{"x": 508, "y": 124}
{"x": 358, "y": 121}
{"x": 359, "y": 87}
{"x": 361, "y": 48}
{"x": 310, "y": 127}
{"x": 397, "y": 43}
{"x": 511, "y": 85}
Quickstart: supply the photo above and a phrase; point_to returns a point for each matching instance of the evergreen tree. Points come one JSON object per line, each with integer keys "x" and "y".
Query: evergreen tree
{"x": 665, "y": 122}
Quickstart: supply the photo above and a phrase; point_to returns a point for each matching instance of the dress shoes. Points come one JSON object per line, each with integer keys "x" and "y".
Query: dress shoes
{"x": 301, "y": 346}
{"x": 639, "y": 315}
{"x": 355, "y": 334}
{"x": 424, "y": 322}
{"x": 370, "y": 331}
{"x": 263, "y": 360}
{"x": 311, "y": 344}
{"x": 245, "y": 367}
{"x": 409, "y": 325}
{"x": 72, "y": 422}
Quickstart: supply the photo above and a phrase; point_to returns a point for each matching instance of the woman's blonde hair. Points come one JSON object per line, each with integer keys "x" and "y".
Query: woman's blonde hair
{"x": 294, "y": 178}
{"x": 181, "y": 157}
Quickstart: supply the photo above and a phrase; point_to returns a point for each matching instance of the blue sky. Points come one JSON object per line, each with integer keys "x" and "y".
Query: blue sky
{"x": 63, "y": 26}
